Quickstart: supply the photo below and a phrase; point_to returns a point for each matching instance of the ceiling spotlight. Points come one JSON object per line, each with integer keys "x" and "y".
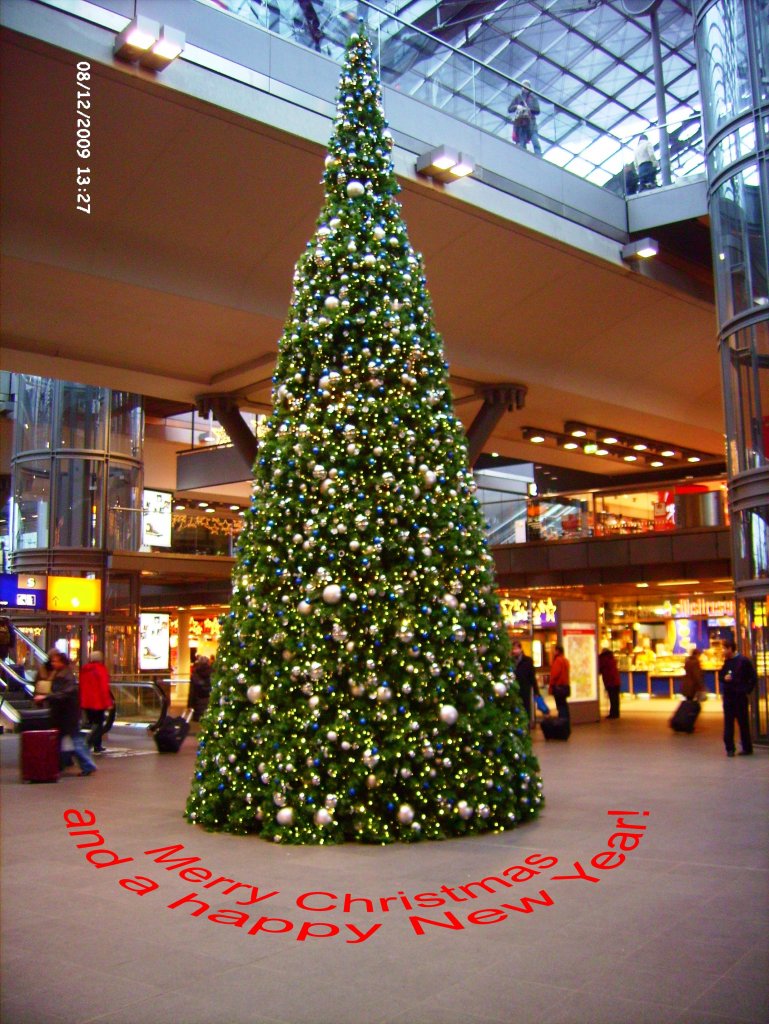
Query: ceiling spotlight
{"x": 537, "y": 439}
{"x": 145, "y": 41}
{"x": 656, "y": 463}
{"x": 610, "y": 439}
{"x": 445, "y": 164}
{"x": 590, "y": 448}
{"x": 668, "y": 453}
{"x": 570, "y": 445}
{"x": 602, "y": 451}
{"x": 578, "y": 432}
{"x": 640, "y": 447}
{"x": 631, "y": 458}
{"x": 694, "y": 458}
{"x": 643, "y": 249}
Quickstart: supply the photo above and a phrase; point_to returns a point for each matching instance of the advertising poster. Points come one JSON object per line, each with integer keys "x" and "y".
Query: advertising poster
{"x": 156, "y": 519}
{"x": 154, "y": 642}
{"x": 579, "y": 645}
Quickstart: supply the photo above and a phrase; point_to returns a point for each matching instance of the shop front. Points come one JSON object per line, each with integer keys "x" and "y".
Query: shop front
{"x": 542, "y": 622}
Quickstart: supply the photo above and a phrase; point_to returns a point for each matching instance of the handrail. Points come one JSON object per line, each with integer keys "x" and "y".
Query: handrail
{"x": 10, "y": 673}
{"x": 165, "y": 700}
{"x": 38, "y": 652}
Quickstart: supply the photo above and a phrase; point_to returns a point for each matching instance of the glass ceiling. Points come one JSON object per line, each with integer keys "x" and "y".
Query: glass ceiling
{"x": 590, "y": 64}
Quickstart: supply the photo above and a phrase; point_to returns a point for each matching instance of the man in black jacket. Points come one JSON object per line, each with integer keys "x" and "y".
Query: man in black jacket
{"x": 525, "y": 675}
{"x": 737, "y": 678}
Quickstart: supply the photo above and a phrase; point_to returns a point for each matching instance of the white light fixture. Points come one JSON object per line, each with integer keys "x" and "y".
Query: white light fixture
{"x": 657, "y": 463}
{"x": 640, "y": 447}
{"x": 643, "y": 249}
{"x": 570, "y": 445}
{"x": 144, "y": 41}
{"x": 611, "y": 439}
{"x": 136, "y": 38}
{"x": 445, "y": 164}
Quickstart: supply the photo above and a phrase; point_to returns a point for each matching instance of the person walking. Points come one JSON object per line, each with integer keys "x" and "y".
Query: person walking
{"x": 560, "y": 682}
{"x": 200, "y": 687}
{"x": 737, "y": 678}
{"x": 525, "y": 109}
{"x": 693, "y": 686}
{"x": 95, "y": 698}
{"x": 65, "y": 708}
{"x": 609, "y": 672}
{"x": 525, "y": 676}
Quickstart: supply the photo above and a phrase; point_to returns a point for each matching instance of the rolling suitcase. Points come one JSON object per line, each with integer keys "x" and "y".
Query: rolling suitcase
{"x": 171, "y": 733}
{"x": 40, "y": 755}
{"x": 555, "y": 728}
{"x": 685, "y": 716}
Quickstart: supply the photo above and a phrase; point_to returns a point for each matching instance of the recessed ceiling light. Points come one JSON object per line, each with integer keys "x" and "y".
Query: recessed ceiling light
{"x": 642, "y": 586}
{"x": 570, "y": 445}
{"x": 640, "y": 447}
{"x": 203, "y": 504}
{"x": 610, "y": 439}
{"x": 694, "y": 458}
{"x": 602, "y": 451}
{"x": 537, "y": 439}
{"x": 234, "y": 508}
{"x": 631, "y": 458}
{"x": 657, "y": 463}
{"x": 668, "y": 453}
{"x": 579, "y": 433}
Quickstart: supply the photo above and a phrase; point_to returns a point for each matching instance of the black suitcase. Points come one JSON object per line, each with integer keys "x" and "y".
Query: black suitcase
{"x": 171, "y": 733}
{"x": 685, "y": 716}
{"x": 555, "y": 728}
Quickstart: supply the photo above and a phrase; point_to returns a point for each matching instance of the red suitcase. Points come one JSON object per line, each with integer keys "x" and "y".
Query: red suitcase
{"x": 40, "y": 755}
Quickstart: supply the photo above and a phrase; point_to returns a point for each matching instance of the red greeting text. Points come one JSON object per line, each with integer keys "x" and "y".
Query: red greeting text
{"x": 212, "y": 889}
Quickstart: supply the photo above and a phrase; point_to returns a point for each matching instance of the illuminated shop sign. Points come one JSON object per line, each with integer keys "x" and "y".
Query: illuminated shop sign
{"x": 156, "y": 519}
{"x": 73, "y": 594}
{"x": 519, "y": 611}
{"x": 23, "y": 591}
{"x": 154, "y": 642}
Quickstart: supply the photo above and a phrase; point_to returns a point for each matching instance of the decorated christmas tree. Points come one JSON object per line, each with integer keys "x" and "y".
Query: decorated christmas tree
{"x": 362, "y": 684}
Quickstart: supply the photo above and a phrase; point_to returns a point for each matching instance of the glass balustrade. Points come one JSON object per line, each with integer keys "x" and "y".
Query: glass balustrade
{"x": 423, "y": 67}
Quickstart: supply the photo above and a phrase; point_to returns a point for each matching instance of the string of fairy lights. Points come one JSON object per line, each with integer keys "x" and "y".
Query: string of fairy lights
{"x": 363, "y": 686}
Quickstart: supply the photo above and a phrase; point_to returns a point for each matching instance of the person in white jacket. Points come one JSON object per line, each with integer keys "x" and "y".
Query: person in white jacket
{"x": 646, "y": 164}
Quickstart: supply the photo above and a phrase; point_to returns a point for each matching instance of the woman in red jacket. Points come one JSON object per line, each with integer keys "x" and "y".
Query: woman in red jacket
{"x": 560, "y": 685}
{"x": 95, "y": 698}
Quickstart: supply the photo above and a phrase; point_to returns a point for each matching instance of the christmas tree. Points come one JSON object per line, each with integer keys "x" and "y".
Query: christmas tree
{"x": 363, "y": 687}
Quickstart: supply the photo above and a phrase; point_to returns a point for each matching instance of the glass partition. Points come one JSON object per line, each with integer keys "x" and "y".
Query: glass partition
{"x": 592, "y": 80}
{"x": 81, "y": 420}
{"x": 32, "y": 499}
{"x": 34, "y": 413}
{"x": 78, "y": 488}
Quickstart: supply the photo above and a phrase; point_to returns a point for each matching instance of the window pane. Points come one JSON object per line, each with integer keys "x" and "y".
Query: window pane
{"x": 78, "y": 503}
{"x": 124, "y": 508}
{"x": 82, "y": 417}
{"x": 741, "y": 262}
{"x": 725, "y": 72}
{"x": 32, "y": 503}
{"x": 126, "y": 419}
{"x": 34, "y": 413}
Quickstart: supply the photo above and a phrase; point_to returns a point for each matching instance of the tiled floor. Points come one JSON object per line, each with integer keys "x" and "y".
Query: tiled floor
{"x": 676, "y": 934}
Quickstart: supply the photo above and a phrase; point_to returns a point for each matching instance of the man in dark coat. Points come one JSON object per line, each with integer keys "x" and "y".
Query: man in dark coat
{"x": 737, "y": 678}
{"x": 525, "y": 675}
{"x": 65, "y": 708}
{"x": 609, "y": 673}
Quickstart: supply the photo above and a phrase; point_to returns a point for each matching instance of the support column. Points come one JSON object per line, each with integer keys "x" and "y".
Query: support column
{"x": 497, "y": 400}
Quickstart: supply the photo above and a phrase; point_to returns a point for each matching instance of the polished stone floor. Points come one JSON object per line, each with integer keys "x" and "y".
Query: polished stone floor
{"x": 677, "y": 933}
